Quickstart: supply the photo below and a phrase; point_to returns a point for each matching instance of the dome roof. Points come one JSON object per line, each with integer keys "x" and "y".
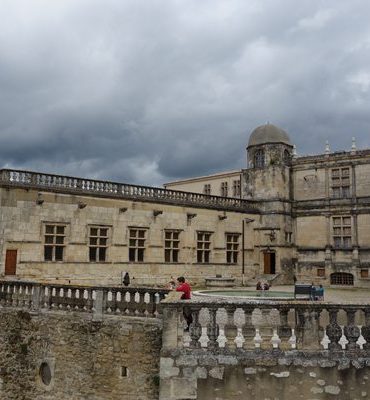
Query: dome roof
{"x": 268, "y": 134}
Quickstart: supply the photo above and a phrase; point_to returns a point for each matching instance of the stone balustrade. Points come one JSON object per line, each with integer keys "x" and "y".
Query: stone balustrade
{"x": 257, "y": 325}
{"x": 66, "y": 184}
{"x": 142, "y": 302}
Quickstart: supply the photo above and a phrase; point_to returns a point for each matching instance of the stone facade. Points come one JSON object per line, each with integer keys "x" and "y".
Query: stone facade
{"x": 315, "y": 210}
{"x": 26, "y": 212}
{"x": 306, "y": 216}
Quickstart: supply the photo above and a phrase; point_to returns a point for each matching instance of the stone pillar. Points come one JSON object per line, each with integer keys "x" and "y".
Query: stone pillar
{"x": 170, "y": 326}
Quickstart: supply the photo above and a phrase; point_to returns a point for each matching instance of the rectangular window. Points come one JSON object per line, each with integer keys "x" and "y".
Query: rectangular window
{"x": 207, "y": 189}
{"x": 340, "y": 183}
{"x": 288, "y": 237}
{"x": 54, "y": 242}
{"x": 364, "y": 273}
{"x": 136, "y": 249}
{"x": 171, "y": 246}
{"x": 342, "y": 232}
{"x": 224, "y": 189}
{"x": 203, "y": 247}
{"x": 236, "y": 188}
{"x": 232, "y": 248}
{"x": 321, "y": 272}
{"x": 98, "y": 243}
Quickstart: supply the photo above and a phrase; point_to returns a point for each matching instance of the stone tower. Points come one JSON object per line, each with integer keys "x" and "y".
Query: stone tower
{"x": 268, "y": 179}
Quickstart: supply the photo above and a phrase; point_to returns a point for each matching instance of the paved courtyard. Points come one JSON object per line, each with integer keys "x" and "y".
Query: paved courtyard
{"x": 337, "y": 295}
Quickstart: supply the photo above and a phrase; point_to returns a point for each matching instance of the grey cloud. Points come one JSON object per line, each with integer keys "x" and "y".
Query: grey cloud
{"x": 146, "y": 92}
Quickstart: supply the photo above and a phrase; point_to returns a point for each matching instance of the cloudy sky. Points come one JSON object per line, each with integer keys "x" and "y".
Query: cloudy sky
{"x": 147, "y": 91}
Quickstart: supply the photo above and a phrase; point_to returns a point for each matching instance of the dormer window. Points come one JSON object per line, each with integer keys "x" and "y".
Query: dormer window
{"x": 259, "y": 159}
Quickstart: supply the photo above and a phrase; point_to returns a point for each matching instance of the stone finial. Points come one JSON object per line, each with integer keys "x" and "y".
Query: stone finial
{"x": 294, "y": 151}
{"x": 353, "y": 147}
{"x": 327, "y": 147}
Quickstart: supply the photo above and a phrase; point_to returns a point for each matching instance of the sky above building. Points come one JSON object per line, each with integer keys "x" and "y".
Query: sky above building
{"x": 148, "y": 91}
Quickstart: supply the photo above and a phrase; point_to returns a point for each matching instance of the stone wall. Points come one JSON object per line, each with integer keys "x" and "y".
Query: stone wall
{"x": 263, "y": 375}
{"x": 116, "y": 358}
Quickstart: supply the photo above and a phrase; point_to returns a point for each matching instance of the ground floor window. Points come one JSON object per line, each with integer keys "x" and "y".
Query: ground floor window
{"x": 341, "y": 278}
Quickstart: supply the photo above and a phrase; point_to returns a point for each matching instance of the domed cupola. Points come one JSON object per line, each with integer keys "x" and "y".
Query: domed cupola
{"x": 269, "y": 145}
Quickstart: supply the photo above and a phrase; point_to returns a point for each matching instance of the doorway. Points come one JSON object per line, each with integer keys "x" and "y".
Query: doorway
{"x": 269, "y": 263}
{"x": 11, "y": 262}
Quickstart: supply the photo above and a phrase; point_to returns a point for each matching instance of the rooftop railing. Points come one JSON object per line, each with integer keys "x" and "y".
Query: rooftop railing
{"x": 67, "y": 184}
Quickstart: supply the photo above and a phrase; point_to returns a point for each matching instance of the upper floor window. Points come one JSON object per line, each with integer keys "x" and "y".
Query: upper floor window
{"x": 287, "y": 157}
{"x": 171, "y": 246}
{"x": 259, "y": 159}
{"x": 136, "y": 250}
{"x": 342, "y": 232}
{"x": 207, "y": 189}
{"x": 98, "y": 243}
{"x": 54, "y": 242}
{"x": 203, "y": 247}
{"x": 224, "y": 189}
{"x": 340, "y": 182}
{"x": 232, "y": 248}
{"x": 236, "y": 188}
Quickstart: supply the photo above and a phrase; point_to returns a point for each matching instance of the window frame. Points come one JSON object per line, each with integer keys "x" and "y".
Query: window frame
{"x": 171, "y": 252}
{"x": 236, "y": 188}
{"x": 136, "y": 251}
{"x": 232, "y": 252}
{"x": 203, "y": 247}
{"x": 342, "y": 231}
{"x": 340, "y": 182}
{"x": 207, "y": 189}
{"x": 53, "y": 245}
{"x": 101, "y": 250}
{"x": 224, "y": 189}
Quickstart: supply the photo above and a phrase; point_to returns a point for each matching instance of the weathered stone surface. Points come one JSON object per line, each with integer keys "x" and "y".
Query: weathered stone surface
{"x": 88, "y": 360}
{"x": 326, "y": 363}
{"x": 167, "y": 370}
{"x": 227, "y": 360}
{"x": 250, "y": 371}
{"x": 217, "y": 372}
{"x": 186, "y": 360}
{"x": 332, "y": 389}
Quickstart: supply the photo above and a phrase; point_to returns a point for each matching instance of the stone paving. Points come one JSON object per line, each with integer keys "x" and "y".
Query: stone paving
{"x": 337, "y": 295}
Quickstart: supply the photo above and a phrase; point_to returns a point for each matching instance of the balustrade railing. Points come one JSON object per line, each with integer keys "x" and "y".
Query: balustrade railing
{"x": 267, "y": 325}
{"x": 143, "y": 302}
{"x": 120, "y": 190}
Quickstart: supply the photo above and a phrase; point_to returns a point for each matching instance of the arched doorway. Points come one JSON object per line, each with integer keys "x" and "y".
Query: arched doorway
{"x": 341, "y": 278}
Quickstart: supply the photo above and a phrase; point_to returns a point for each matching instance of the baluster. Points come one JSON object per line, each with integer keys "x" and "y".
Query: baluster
{"x": 88, "y": 300}
{"x": 351, "y": 331}
{"x": 248, "y": 328}
{"x": 230, "y": 327}
{"x": 284, "y": 330}
{"x": 212, "y": 329}
{"x": 365, "y": 330}
{"x": 195, "y": 329}
{"x": 333, "y": 330}
{"x": 151, "y": 306}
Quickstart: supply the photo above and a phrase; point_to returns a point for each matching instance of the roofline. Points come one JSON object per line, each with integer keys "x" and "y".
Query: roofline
{"x": 201, "y": 178}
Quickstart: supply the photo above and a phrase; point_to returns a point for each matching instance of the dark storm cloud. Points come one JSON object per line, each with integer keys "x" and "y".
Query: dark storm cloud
{"x": 147, "y": 92}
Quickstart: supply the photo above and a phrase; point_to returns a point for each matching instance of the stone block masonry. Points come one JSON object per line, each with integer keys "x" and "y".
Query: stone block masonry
{"x": 59, "y": 356}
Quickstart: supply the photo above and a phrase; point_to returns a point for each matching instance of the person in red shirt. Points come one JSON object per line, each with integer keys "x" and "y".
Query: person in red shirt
{"x": 185, "y": 288}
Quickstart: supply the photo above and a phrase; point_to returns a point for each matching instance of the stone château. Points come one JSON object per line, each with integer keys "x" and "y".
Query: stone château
{"x": 283, "y": 215}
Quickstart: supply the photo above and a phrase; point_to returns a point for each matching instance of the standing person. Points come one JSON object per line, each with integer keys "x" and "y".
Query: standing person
{"x": 185, "y": 288}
